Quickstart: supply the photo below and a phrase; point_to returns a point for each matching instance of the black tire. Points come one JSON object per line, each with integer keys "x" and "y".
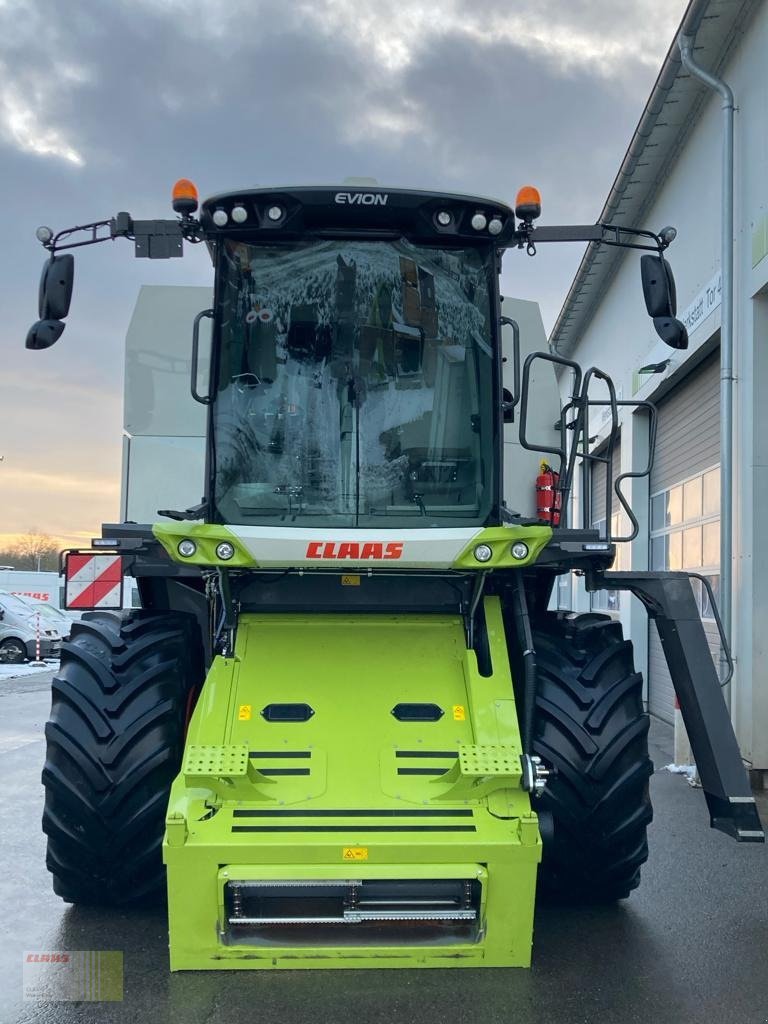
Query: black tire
{"x": 13, "y": 651}
{"x": 591, "y": 727}
{"x": 115, "y": 739}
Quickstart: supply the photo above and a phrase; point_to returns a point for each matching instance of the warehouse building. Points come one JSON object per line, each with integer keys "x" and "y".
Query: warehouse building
{"x": 672, "y": 174}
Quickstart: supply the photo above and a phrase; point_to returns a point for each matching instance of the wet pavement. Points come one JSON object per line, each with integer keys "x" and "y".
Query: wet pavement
{"x": 691, "y": 945}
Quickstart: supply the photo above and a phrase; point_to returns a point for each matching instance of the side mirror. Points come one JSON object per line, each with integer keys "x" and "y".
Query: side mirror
{"x": 44, "y": 333}
{"x": 660, "y": 297}
{"x": 671, "y": 331}
{"x": 658, "y": 286}
{"x": 55, "y": 292}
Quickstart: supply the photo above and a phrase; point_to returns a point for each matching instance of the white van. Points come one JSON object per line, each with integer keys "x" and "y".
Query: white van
{"x": 19, "y": 632}
{"x": 51, "y": 617}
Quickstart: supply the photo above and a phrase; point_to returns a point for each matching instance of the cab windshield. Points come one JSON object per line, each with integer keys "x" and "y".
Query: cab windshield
{"x": 354, "y": 385}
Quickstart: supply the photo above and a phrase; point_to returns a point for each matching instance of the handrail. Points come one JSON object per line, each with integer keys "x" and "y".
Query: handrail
{"x": 202, "y": 399}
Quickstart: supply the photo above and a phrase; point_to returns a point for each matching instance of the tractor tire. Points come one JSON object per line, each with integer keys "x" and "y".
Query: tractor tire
{"x": 115, "y": 740}
{"x": 592, "y": 729}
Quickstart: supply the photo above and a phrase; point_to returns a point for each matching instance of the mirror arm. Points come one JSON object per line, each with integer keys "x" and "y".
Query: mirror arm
{"x": 53, "y": 245}
{"x": 123, "y": 226}
{"x": 600, "y": 234}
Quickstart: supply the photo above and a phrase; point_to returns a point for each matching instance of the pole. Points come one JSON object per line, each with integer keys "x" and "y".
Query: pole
{"x": 725, "y": 602}
{"x": 38, "y": 660}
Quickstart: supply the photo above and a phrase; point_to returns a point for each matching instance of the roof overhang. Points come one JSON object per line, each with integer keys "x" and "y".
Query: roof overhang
{"x": 672, "y": 110}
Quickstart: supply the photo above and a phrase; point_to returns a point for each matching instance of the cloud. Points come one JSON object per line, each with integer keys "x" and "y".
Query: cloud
{"x": 596, "y": 34}
{"x": 104, "y": 105}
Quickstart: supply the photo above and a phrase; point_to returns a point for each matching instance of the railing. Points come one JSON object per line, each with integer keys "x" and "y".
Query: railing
{"x": 575, "y": 447}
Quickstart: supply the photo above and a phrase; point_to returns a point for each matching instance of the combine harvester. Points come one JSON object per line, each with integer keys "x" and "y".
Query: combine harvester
{"x": 344, "y": 717}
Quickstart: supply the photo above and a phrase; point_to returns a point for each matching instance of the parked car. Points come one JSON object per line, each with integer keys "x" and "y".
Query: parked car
{"x": 52, "y": 616}
{"x": 18, "y": 632}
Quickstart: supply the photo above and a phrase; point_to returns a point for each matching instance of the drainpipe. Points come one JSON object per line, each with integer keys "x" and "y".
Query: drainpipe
{"x": 686, "y": 42}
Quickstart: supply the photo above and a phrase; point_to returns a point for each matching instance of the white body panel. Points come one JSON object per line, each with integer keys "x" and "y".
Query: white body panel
{"x": 164, "y": 428}
{"x": 391, "y": 549}
{"x": 521, "y": 466}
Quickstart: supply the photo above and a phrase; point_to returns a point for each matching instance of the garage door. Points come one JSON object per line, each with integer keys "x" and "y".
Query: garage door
{"x": 607, "y": 600}
{"x": 599, "y": 483}
{"x": 685, "y": 505}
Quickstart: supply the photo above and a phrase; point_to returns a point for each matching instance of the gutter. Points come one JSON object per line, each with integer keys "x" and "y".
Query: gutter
{"x": 686, "y": 41}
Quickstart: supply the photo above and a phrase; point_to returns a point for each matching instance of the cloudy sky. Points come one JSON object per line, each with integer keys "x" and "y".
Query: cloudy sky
{"x": 105, "y": 103}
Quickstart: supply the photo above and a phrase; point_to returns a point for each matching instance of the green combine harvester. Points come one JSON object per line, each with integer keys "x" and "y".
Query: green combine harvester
{"x": 344, "y": 728}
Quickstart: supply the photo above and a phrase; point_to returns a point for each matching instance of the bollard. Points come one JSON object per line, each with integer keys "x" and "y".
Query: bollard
{"x": 38, "y": 660}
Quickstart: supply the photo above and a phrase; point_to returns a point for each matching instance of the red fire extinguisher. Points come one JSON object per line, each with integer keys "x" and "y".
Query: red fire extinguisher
{"x": 548, "y": 498}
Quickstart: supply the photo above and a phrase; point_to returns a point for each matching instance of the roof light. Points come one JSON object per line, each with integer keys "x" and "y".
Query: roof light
{"x": 528, "y": 203}
{"x": 275, "y": 212}
{"x": 44, "y": 234}
{"x": 239, "y": 214}
{"x": 220, "y": 217}
{"x": 184, "y": 197}
{"x": 479, "y": 221}
{"x": 495, "y": 226}
{"x": 444, "y": 218}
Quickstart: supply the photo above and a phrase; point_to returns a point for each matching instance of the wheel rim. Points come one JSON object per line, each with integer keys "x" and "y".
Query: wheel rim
{"x": 11, "y": 652}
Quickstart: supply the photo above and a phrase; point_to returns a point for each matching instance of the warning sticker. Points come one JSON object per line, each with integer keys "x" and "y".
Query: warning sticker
{"x": 459, "y": 714}
{"x": 350, "y": 581}
{"x": 355, "y": 853}
{"x": 244, "y": 712}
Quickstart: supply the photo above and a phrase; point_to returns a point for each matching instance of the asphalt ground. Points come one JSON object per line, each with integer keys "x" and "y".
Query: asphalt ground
{"x": 690, "y": 945}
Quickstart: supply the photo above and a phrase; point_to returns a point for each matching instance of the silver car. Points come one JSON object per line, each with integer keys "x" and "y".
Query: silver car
{"x": 21, "y": 629}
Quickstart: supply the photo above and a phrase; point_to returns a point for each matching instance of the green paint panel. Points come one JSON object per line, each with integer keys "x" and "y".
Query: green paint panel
{"x": 500, "y": 540}
{"x": 352, "y": 792}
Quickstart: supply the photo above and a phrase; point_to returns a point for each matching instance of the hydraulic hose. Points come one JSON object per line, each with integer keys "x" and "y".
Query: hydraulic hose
{"x": 525, "y": 637}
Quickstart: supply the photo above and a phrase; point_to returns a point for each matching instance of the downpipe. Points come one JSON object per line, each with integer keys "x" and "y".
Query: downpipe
{"x": 686, "y": 44}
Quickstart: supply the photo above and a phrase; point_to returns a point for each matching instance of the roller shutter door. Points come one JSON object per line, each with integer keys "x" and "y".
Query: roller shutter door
{"x": 599, "y": 482}
{"x": 607, "y": 600}
{"x": 684, "y": 490}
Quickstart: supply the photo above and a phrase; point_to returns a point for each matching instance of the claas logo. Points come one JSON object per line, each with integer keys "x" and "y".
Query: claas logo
{"x": 361, "y": 552}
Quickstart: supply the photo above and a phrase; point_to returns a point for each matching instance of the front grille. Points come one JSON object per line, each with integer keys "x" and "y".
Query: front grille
{"x": 351, "y": 912}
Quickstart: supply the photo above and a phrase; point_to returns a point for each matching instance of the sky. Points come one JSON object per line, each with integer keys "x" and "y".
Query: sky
{"x": 105, "y": 103}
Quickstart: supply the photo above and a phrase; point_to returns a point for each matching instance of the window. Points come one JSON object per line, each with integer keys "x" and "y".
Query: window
{"x": 354, "y": 385}
{"x": 563, "y": 592}
{"x": 685, "y": 532}
{"x": 610, "y": 600}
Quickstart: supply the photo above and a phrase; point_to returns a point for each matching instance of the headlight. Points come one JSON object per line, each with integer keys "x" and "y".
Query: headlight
{"x": 187, "y": 548}
{"x": 483, "y": 553}
{"x": 519, "y": 551}
{"x": 225, "y": 551}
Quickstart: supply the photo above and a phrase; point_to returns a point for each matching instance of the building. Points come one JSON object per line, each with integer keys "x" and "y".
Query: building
{"x": 672, "y": 174}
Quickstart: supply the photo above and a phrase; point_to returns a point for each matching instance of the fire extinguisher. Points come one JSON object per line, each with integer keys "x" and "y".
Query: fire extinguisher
{"x": 548, "y": 497}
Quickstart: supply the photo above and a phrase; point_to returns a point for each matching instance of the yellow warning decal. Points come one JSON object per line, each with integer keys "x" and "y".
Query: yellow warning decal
{"x": 350, "y": 581}
{"x": 459, "y": 714}
{"x": 355, "y": 853}
{"x": 244, "y": 712}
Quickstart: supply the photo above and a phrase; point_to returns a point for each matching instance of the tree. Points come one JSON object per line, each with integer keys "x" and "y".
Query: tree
{"x": 37, "y": 551}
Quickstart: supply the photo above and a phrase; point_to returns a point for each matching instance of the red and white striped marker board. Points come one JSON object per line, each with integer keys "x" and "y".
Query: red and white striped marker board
{"x": 93, "y": 581}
